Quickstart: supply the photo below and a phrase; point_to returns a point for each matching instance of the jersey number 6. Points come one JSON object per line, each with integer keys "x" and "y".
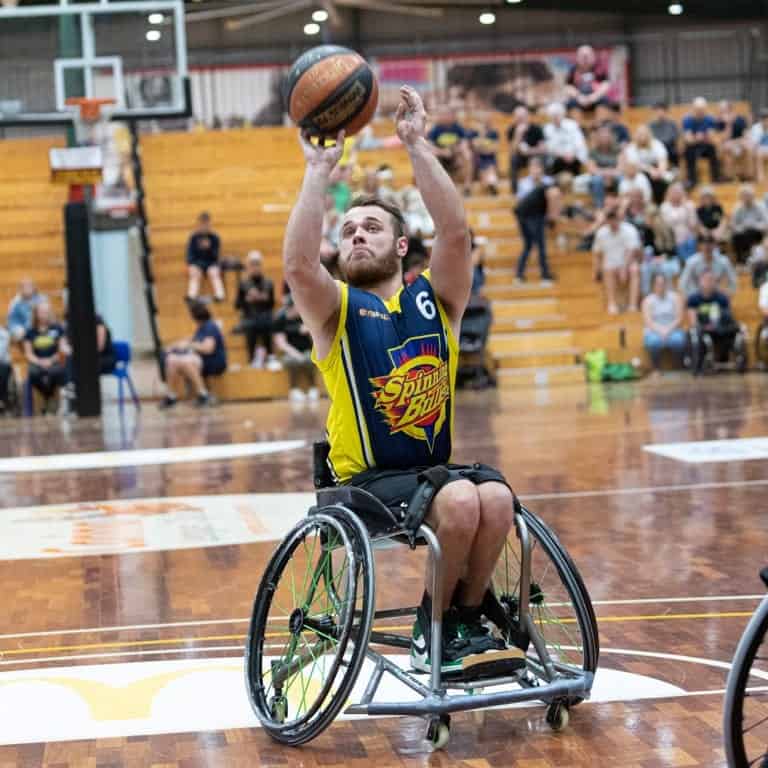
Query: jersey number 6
{"x": 425, "y": 305}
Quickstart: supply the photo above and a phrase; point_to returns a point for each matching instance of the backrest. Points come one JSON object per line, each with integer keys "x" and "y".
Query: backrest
{"x": 122, "y": 350}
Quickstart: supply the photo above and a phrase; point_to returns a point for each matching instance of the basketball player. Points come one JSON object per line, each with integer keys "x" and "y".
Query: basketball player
{"x": 388, "y": 355}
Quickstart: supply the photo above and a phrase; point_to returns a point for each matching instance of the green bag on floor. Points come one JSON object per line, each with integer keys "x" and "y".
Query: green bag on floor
{"x": 619, "y": 372}
{"x": 595, "y": 361}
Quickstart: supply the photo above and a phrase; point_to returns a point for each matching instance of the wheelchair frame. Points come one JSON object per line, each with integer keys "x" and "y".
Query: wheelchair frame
{"x": 738, "y": 356}
{"x": 540, "y": 679}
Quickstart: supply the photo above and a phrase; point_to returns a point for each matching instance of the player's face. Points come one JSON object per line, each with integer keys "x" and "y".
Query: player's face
{"x": 368, "y": 250}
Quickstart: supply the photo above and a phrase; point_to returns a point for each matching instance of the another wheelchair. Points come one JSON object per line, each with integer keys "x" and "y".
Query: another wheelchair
{"x": 710, "y": 352}
{"x": 313, "y": 618}
{"x": 745, "y": 717}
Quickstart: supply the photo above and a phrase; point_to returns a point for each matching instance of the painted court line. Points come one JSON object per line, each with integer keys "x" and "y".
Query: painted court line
{"x": 710, "y": 451}
{"x": 144, "y": 457}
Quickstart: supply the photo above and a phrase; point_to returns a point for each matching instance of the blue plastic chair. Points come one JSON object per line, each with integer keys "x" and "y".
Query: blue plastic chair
{"x": 122, "y": 350}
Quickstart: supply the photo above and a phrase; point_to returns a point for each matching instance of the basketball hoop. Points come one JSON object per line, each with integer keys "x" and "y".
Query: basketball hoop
{"x": 90, "y": 109}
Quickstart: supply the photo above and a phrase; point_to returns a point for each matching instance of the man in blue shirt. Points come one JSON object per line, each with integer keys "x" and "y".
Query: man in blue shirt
{"x": 698, "y": 132}
{"x": 450, "y": 144}
{"x": 709, "y": 314}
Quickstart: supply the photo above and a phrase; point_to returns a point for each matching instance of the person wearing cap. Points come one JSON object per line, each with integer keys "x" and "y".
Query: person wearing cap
{"x": 758, "y": 135}
{"x": 708, "y": 259}
{"x": 255, "y": 301}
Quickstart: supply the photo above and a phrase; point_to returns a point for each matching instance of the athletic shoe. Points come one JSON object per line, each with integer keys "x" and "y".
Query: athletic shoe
{"x": 204, "y": 401}
{"x": 167, "y": 402}
{"x": 472, "y": 630}
{"x": 421, "y": 657}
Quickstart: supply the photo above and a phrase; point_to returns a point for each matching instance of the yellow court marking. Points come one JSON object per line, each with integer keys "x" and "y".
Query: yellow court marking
{"x": 386, "y": 628}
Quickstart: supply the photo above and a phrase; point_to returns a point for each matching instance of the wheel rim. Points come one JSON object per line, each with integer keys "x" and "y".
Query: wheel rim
{"x": 294, "y": 669}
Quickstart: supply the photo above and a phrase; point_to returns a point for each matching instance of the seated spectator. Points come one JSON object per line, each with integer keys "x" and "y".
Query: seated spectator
{"x": 711, "y": 216}
{"x": 665, "y": 129}
{"x": 203, "y": 251}
{"x": 708, "y": 260}
{"x": 538, "y": 202}
{"x": 417, "y": 218}
{"x": 699, "y": 137}
{"x": 191, "y": 361}
{"x": 526, "y": 140}
{"x": 485, "y": 146}
{"x": 6, "y": 369}
{"x": 587, "y": 84}
{"x": 616, "y": 251}
{"x": 331, "y": 231}
{"x": 758, "y": 136}
{"x": 46, "y": 350}
{"x": 603, "y": 165}
{"x": 385, "y": 176}
{"x": 20, "y": 309}
{"x": 761, "y": 337}
{"x": 663, "y": 320}
{"x": 339, "y": 188}
{"x": 255, "y": 301}
{"x": 709, "y": 313}
{"x": 450, "y": 145}
{"x": 749, "y": 224}
{"x": 107, "y": 359}
{"x": 651, "y": 158}
{"x": 633, "y": 179}
{"x": 566, "y": 146}
{"x": 735, "y": 146}
{"x": 679, "y": 214}
{"x": 294, "y": 343}
{"x": 414, "y": 263}
{"x": 609, "y": 115}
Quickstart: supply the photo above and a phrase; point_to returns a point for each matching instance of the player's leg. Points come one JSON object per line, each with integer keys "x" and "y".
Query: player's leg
{"x": 194, "y": 274}
{"x": 217, "y": 284}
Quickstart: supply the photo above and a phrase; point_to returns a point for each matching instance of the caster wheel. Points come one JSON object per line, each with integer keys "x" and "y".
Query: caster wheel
{"x": 439, "y": 731}
{"x": 278, "y": 709}
{"x": 558, "y": 717}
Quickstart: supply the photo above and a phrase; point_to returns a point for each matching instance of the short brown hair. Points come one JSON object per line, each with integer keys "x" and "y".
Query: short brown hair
{"x": 398, "y": 222}
{"x": 199, "y": 311}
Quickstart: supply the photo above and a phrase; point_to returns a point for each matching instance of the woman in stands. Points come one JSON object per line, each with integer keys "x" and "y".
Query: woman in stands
{"x": 193, "y": 360}
{"x": 679, "y": 213}
{"x": 46, "y": 350}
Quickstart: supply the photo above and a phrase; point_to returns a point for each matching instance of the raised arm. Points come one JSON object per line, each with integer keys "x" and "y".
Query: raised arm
{"x": 451, "y": 262}
{"x": 314, "y": 291}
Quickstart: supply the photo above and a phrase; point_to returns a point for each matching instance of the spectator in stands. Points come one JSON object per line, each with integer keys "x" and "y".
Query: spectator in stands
{"x": 651, "y": 157}
{"x": 733, "y": 137}
{"x": 21, "y": 307}
{"x": 616, "y": 253}
{"x": 749, "y": 223}
{"x": 192, "y": 361}
{"x": 708, "y": 260}
{"x": 758, "y": 136}
{"x": 526, "y": 140}
{"x": 6, "y": 369}
{"x": 609, "y": 115}
{"x": 329, "y": 244}
{"x": 450, "y": 145}
{"x": 46, "y": 350}
{"x": 679, "y": 213}
{"x": 385, "y": 177}
{"x": 566, "y": 146}
{"x": 294, "y": 343}
{"x": 665, "y": 129}
{"x": 711, "y": 216}
{"x": 762, "y": 304}
{"x": 255, "y": 301}
{"x": 485, "y": 146}
{"x": 699, "y": 129}
{"x": 709, "y": 312}
{"x": 603, "y": 165}
{"x": 663, "y": 321}
{"x": 415, "y": 213}
{"x": 414, "y": 263}
{"x": 633, "y": 179}
{"x": 587, "y": 84}
{"x": 107, "y": 359}
{"x": 203, "y": 259}
{"x": 538, "y": 202}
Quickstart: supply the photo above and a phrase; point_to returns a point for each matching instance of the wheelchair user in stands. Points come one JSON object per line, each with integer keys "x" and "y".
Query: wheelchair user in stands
{"x": 714, "y": 333}
{"x": 388, "y": 355}
{"x": 6, "y": 371}
{"x": 192, "y": 361}
{"x": 46, "y": 349}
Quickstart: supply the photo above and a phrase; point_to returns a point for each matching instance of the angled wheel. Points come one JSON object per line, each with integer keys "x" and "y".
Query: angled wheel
{"x": 559, "y": 603}
{"x": 310, "y": 625}
{"x": 745, "y": 716}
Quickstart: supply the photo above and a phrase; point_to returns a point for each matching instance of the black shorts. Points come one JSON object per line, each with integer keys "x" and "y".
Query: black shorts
{"x": 395, "y": 487}
{"x": 202, "y": 265}
{"x": 211, "y": 368}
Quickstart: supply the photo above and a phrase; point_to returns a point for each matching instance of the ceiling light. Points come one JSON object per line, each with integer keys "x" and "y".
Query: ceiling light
{"x": 487, "y": 18}
{"x": 311, "y": 29}
{"x": 156, "y": 18}
{"x": 512, "y": 2}
{"x": 320, "y": 15}
{"x": 675, "y": 9}
{"x": 153, "y": 35}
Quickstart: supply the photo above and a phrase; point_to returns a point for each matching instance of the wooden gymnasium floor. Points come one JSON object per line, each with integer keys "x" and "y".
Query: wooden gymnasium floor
{"x": 125, "y": 602}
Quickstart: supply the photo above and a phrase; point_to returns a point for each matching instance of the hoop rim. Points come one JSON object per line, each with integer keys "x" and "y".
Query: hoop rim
{"x": 88, "y": 109}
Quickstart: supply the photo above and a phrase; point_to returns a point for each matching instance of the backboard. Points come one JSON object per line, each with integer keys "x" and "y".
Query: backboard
{"x": 131, "y": 51}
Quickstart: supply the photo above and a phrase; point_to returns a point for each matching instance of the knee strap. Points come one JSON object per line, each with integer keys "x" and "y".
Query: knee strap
{"x": 430, "y": 482}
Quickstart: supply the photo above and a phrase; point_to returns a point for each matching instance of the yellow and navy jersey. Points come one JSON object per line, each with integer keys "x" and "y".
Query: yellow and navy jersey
{"x": 390, "y": 374}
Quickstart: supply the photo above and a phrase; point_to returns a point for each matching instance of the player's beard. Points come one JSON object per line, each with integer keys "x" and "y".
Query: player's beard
{"x": 368, "y": 272}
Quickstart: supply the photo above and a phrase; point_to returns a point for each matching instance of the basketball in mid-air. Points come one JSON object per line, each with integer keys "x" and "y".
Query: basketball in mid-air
{"x": 330, "y": 88}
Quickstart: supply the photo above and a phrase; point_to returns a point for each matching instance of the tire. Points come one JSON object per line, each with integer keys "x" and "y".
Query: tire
{"x": 558, "y": 601}
{"x": 326, "y": 630}
{"x": 740, "y": 751}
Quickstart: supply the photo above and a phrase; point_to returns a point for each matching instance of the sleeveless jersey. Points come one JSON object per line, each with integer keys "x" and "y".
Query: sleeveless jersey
{"x": 390, "y": 374}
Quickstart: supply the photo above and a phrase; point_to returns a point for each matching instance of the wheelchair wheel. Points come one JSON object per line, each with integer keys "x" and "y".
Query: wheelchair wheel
{"x": 559, "y": 603}
{"x": 745, "y": 716}
{"x": 740, "y": 353}
{"x": 311, "y": 621}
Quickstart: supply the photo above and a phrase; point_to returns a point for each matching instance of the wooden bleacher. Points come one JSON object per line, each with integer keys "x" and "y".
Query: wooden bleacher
{"x": 248, "y": 179}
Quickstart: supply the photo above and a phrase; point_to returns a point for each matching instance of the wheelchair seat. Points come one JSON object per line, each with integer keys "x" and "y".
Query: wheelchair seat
{"x": 378, "y": 519}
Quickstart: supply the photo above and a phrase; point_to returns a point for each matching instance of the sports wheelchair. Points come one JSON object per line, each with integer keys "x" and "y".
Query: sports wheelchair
{"x": 724, "y": 350}
{"x": 314, "y": 623}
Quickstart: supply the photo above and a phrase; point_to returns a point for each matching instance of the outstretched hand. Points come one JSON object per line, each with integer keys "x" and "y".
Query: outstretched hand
{"x": 319, "y": 155}
{"x": 411, "y": 117}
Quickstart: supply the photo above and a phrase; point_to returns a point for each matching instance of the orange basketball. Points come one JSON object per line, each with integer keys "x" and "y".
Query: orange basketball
{"x": 330, "y": 88}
